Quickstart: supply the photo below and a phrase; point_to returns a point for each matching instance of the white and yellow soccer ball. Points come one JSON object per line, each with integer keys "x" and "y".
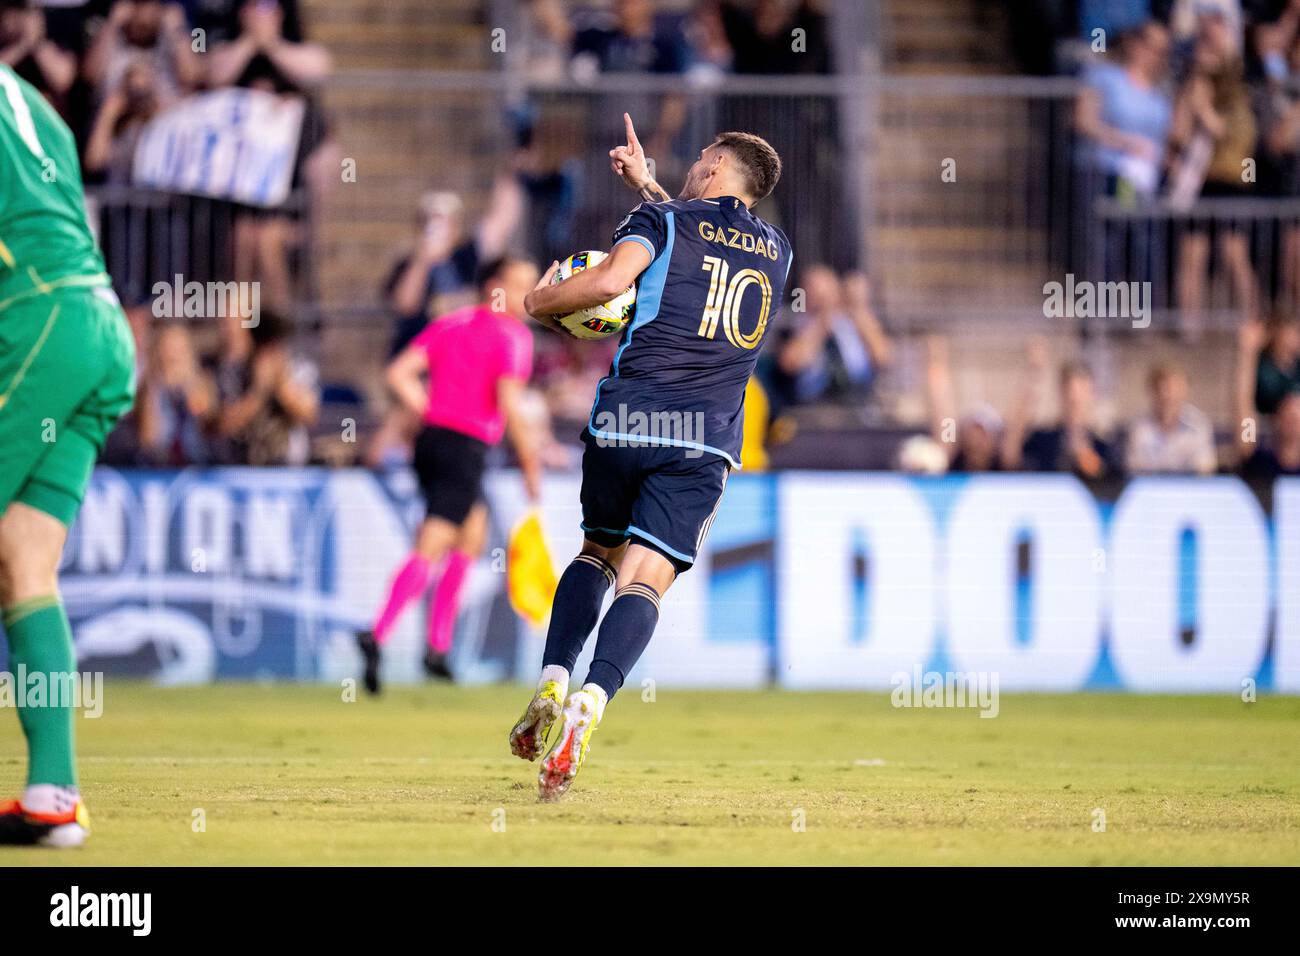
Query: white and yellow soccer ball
{"x": 597, "y": 321}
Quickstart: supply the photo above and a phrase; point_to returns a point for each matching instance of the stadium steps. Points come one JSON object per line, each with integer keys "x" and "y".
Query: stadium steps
{"x": 400, "y": 34}
{"x": 943, "y": 247}
{"x": 944, "y": 36}
{"x": 365, "y": 224}
{"x": 427, "y": 45}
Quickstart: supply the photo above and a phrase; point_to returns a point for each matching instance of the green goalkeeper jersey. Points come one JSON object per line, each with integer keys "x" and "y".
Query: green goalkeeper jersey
{"x": 45, "y": 238}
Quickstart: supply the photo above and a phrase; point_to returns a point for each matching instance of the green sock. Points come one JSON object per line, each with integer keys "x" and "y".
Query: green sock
{"x": 40, "y": 640}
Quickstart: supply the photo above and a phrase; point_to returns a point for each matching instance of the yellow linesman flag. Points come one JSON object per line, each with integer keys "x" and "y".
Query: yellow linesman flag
{"x": 530, "y": 575}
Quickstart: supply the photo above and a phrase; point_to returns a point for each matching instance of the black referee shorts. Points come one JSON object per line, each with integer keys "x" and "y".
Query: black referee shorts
{"x": 449, "y": 467}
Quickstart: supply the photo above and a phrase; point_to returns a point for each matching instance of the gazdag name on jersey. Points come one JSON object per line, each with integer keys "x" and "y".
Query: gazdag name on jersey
{"x": 704, "y": 304}
{"x": 733, "y": 238}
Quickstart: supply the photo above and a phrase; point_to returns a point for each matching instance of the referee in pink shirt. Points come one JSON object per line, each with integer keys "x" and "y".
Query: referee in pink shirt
{"x": 477, "y": 361}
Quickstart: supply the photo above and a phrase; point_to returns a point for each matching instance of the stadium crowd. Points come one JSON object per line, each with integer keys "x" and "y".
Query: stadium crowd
{"x": 1185, "y": 93}
{"x": 111, "y": 66}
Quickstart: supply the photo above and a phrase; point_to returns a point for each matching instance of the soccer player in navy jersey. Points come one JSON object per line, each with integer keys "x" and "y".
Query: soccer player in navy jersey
{"x": 665, "y": 429}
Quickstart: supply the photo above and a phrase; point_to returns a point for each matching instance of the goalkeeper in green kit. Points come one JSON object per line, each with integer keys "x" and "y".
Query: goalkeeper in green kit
{"x": 67, "y": 365}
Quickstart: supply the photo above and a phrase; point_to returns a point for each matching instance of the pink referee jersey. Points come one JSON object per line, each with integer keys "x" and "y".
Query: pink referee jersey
{"x": 469, "y": 351}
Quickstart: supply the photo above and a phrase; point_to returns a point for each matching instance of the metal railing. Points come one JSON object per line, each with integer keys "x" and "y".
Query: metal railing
{"x": 1205, "y": 266}
{"x": 961, "y": 196}
{"x": 148, "y": 236}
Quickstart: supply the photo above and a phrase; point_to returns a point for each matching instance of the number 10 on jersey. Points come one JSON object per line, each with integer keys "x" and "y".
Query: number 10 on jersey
{"x": 724, "y": 302}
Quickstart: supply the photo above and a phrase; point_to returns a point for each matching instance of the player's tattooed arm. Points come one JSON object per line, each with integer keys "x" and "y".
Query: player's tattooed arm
{"x": 653, "y": 192}
{"x": 630, "y": 164}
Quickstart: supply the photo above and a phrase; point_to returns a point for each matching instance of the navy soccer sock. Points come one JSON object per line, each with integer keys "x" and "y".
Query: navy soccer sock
{"x": 624, "y": 634}
{"x": 576, "y": 607}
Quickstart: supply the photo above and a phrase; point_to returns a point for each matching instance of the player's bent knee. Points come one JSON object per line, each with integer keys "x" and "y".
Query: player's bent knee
{"x": 647, "y": 566}
{"x": 18, "y": 584}
{"x": 612, "y": 556}
{"x": 30, "y": 545}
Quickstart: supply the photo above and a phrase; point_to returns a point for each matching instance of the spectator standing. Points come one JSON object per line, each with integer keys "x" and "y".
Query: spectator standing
{"x": 147, "y": 32}
{"x": 110, "y": 149}
{"x": 1215, "y": 104}
{"x": 268, "y": 54}
{"x": 760, "y": 36}
{"x": 263, "y": 36}
{"x": 444, "y": 259}
{"x": 220, "y": 20}
{"x": 1125, "y": 115}
{"x": 1277, "y": 107}
{"x": 25, "y": 46}
{"x": 632, "y": 38}
{"x": 637, "y": 41}
{"x": 805, "y": 128}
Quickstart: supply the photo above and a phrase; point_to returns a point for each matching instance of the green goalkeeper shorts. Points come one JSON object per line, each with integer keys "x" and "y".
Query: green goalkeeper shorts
{"x": 67, "y": 374}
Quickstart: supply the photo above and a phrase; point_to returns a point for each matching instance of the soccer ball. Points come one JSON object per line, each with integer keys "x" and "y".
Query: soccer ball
{"x": 597, "y": 321}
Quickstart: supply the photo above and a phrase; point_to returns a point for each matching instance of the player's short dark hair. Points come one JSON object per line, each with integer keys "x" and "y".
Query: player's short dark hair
{"x": 757, "y": 158}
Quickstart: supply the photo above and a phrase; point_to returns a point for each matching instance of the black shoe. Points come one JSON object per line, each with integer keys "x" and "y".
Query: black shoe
{"x": 435, "y": 665}
{"x": 17, "y": 830}
{"x": 21, "y": 828}
{"x": 370, "y": 655}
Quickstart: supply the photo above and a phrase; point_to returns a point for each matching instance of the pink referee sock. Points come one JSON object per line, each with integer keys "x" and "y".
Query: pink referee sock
{"x": 409, "y": 582}
{"x": 446, "y": 602}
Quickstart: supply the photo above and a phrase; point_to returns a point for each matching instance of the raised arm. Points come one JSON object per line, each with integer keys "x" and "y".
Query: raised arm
{"x": 940, "y": 402}
{"x": 631, "y": 165}
{"x": 857, "y": 299}
{"x": 505, "y": 212}
{"x": 106, "y": 41}
{"x": 1022, "y": 411}
{"x": 1251, "y": 338}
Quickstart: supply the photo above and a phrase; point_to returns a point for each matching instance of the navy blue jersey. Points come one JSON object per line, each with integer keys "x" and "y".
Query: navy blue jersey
{"x": 703, "y": 307}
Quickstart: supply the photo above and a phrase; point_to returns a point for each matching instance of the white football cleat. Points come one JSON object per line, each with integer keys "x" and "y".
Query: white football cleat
{"x": 560, "y": 767}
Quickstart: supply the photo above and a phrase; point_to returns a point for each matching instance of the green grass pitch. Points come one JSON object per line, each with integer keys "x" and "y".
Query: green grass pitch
{"x": 294, "y": 775}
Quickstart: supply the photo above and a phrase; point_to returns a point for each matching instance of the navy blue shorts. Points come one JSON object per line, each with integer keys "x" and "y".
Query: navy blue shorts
{"x": 656, "y": 496}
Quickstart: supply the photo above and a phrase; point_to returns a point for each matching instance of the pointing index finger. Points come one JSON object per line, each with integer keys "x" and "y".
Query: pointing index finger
{"x": 633, "y": 143}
